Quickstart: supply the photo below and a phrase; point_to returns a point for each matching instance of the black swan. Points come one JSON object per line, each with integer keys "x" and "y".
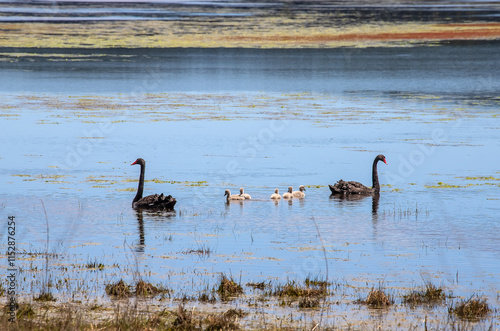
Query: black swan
{"x": 156, "y": 201}
{"x": 276, "y": 195}
{"x": 347, "y": 188}
{"x": 288, "y": 195}
{"x": 300, "y": 193}
{"x": 246, "y": 196}
{"x": 227, "y": 194}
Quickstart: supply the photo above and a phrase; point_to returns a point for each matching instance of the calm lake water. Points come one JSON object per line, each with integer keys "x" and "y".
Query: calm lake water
{"x": 207, "y": 120}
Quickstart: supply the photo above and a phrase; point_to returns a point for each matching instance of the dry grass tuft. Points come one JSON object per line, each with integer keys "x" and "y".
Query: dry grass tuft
{"x": 118, "y": 290}
{"x": 472, "y": 309}
{"x": 431, "y": 295}
{"x": 45, "y": 296}
{"x": 259, "y": 286}
{"x": 377, "y": 298}
{"x": 228, "y": 289}
{"x": 184, "y": 320}
{"x": 205, "y": 298}
{"x": 225, "y": 321}
{"x": 146, "y": 289}
{"x": 308, "y": 296}
{"x": 25, "y": 310}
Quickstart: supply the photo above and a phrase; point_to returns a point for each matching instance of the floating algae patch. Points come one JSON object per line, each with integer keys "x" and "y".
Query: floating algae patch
{"x": 470, "y": 181}
{"x": 128, "y": 189}
{"x": 184, "y": 183}
{"x": 442, "y": 185}
{"x": 482, "y": 178}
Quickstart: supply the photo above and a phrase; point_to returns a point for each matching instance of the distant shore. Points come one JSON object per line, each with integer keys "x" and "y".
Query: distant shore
{"x": 210, "y": 26}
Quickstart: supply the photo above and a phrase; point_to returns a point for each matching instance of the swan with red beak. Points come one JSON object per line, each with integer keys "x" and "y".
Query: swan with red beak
{"x": 343, "y": 188}
{"x": 155, "y": 201}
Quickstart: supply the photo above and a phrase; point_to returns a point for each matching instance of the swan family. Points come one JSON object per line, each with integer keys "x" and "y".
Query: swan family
{"x": 341, "y": 188}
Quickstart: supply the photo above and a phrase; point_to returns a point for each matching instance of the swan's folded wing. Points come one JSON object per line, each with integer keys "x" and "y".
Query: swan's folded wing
{"x": 156, "y": 201}
{"x": 343, "y": 187}
{"x": 356, "y": 187}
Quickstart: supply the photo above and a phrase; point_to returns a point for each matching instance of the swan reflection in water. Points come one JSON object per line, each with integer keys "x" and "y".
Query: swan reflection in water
{"x": 139, "y": 213}
{"x": 357, "y": 197}
{"x": 142, "y": 242}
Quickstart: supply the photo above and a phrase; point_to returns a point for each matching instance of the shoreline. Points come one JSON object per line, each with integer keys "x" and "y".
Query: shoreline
{"x": 166, "y": 35}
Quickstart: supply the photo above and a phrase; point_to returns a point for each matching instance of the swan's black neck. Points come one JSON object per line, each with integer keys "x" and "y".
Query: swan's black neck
{"x": 140, "y": 189}
{"x": 375, "y": 185}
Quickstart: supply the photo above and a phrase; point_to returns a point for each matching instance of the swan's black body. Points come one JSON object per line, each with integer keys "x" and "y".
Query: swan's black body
{"x": 155, "y": 201}
{"x": 344, "y": 188}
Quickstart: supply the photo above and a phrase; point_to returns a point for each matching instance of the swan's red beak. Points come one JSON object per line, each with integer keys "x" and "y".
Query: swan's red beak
{"x": 135, "y": 162}
{"x": 385, "y": 161}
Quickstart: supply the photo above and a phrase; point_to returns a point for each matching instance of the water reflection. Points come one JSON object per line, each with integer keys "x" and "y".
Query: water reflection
{"x": 357, "y": 197}
{"x": 156, "y": 215}
{"x": 375, "y": 202}
{"x": 142, "y": 242}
